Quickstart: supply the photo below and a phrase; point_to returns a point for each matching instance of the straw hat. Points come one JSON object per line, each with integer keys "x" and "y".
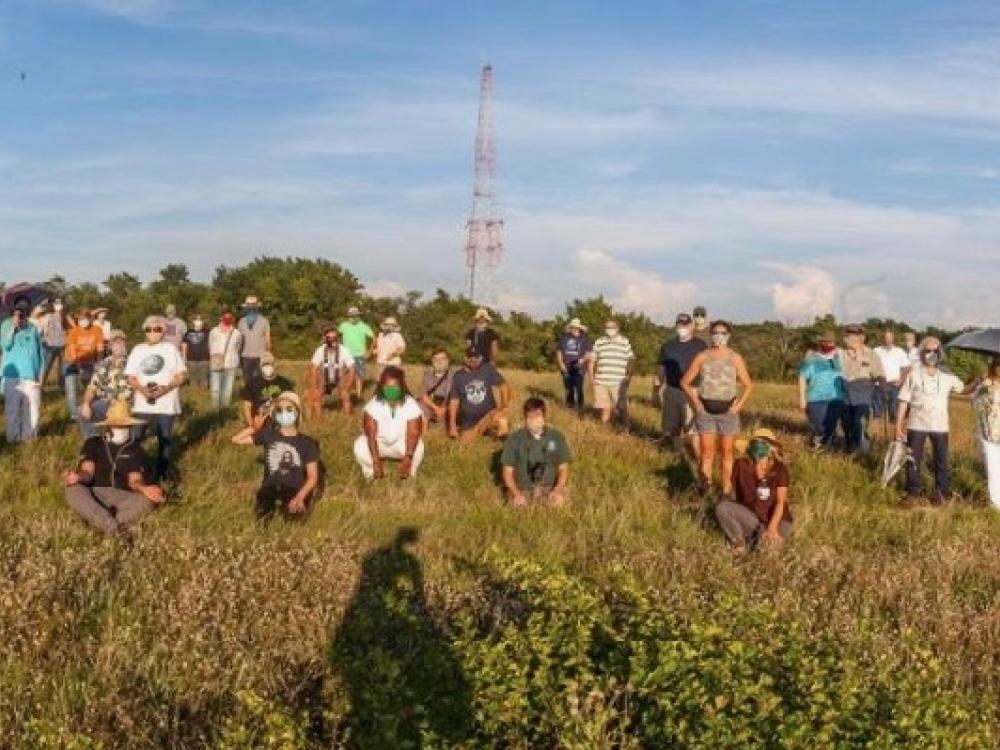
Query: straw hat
{"x": 761, "y": 433}
{"x": 251, "y": 301}
{"x": 292, "y": 398}
{"x": 390, "y": 322}
{"x": 575, "y": 323}
{"x": 119, "y": 415}
{"x": 483, "y": 314}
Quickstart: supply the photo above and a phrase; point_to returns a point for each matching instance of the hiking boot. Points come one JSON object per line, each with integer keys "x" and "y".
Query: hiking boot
{"x": 913, "y": 501}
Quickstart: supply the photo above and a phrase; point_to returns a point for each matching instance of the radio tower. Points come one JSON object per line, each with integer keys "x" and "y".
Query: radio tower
{"x": 484, "y": 248}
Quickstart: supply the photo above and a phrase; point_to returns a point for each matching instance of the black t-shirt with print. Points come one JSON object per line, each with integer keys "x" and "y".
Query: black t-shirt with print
{"x": 197, "y": 345}
{"x": 474, "y": 391}
{"x": 112, "y": 463}
{"x": 285, "y": 458}
{"x": 482, "y": 342}
{"x": 261, "y": 392}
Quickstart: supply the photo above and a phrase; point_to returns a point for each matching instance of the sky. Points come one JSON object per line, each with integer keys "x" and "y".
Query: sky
{"x": 768, "y": 160}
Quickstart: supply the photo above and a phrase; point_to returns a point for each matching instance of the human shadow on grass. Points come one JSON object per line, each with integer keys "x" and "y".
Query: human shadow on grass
{"x": 404, "y": 680}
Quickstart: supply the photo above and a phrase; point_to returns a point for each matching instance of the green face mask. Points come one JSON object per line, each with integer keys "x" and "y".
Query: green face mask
{"x": 392, "y": 393}
{"x": 759, "y": 450}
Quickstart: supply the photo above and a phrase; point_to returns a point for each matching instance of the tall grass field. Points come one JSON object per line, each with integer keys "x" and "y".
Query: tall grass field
{"x": 428, "y": 614}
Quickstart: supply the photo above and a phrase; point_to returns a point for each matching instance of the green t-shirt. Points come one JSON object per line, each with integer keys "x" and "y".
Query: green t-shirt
{"x": 355, "y": 337}
{"x": 535, "y": 460}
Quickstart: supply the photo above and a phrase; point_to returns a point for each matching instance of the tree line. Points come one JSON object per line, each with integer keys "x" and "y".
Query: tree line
{"x": 299, "y": 294}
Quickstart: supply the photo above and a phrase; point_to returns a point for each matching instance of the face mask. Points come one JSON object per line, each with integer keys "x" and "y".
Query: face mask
{"x": 228, "y": 320}
{"x": 684, "y": 333}
{"x": 392, "y": 393}
{"x": 720, "y": 339}
{"x": 610, "y": 332}
{"x": 267, "y": 371}
{"x": 198, "y": 325}
{"x": 102, "y": 316}
{"x": 930, "y": 357}
{"x": 759, "y": 450}
{"x": 119, "y": 435}
{"x": 251, "y": 316}
{"x": 57, "y": 306}
{"x": 827, "y": 347}
{"x": 286, "y": 418}
{"x": 84, "y": 322}
{"x": 535, "y": 425}
{"x": 330, "y": 341}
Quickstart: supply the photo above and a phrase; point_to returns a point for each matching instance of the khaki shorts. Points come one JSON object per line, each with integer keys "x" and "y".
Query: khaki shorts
{"x": 677, "y": 415}
{"x": 611, "y": 397}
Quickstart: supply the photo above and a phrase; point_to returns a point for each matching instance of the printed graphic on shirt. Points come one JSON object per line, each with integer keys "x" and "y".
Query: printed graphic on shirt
{"x": 475, "y": 392}
{"x": 152, "y": 365}
{"x": 282, "y": 459}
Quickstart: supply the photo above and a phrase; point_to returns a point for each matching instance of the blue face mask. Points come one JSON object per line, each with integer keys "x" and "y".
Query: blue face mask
{"x": 286, "y": 418}
{"x": 251, "y": 317}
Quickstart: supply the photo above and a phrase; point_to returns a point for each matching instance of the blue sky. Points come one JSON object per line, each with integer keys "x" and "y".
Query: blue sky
{"x": 766, "y": 159}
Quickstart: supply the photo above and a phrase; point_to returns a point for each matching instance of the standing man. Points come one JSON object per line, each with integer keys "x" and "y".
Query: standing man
{"x": 923, "y": 408}
{"x": 478, "y": 400}
{"x": 255, "y": 331}
{"x": 156, "y": 371}
{"x": 194, "y": 348}
{"x": 483, "y": 338}
{"x": 912, "y": 350}
{"x": 174, "y": 328}
{"x": 611, "y": 368}
{"x": 862, "y": 373}
{"x": 389, "y": 347}
{"x": 359, "y": 338}
{"x": 895, "y": 366}
{"x": 54, "y": 339}
{"x": 84, "y": 349}
{"x": 23, "y": 364}
{"x": 702, "y": 328}
{"x": 101, "y": 320}
{"x": 571, "y": 358}
{"x": 676, "y": 356}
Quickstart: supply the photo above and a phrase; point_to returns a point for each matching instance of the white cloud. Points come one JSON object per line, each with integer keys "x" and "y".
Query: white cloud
{"x": 630, "y": 288}
{"x": 809, "y": 292}
{"x": 384, "y": 288}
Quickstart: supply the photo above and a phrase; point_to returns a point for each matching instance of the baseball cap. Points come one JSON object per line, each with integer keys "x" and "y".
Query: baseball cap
{"x": 700, "y": 311}
{"x": 683, "y": 319}
{"x": 352, "y": 310}
{"x": 854, "y": 328}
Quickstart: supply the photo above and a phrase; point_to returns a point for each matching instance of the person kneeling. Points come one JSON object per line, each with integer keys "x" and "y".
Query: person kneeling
{"x": 759, "y": 512}
{"x": 535, "y": 460}
{"x": 477, "y": 404}
{"x": 291, "y": 460}
{"x": 106, "y": 489}
{"x": 393, "y": 424}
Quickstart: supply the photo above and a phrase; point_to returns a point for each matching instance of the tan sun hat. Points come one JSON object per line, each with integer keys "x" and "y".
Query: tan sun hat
{"x": 251, "y": 301}
{"x": 575, "y": 323}
{"x": 741, "y": 444}
{"x": 291, "y": 397}
{"x": 391, "y": 322}
{"x": 483, "y": 314}
{"x": 119, "y": 415}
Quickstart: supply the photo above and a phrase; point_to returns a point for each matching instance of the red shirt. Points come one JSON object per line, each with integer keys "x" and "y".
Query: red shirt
{"x": 759, "y": 495}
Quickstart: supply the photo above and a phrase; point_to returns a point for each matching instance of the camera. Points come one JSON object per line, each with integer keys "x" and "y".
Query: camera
{"x": 154, "y": 387}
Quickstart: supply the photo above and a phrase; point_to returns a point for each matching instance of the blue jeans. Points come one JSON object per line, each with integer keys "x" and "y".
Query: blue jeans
{"x": 76, "y": 378}
{"x": 917, "y": 440}
{"x": 823, "y": 416}
{"x": 885, "y": 401}
{"x": 162, "y": 426}
{"x": 855, "y": 422}
{"x": 220, "y": 385}
{"x": 573, "y": 380}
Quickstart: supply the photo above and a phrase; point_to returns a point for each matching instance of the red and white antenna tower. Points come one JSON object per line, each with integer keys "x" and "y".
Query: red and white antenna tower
{"x": 484, "y": 248}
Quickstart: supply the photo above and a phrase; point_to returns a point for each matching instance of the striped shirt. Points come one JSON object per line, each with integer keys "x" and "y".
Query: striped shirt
{"x": 611, "y": 358}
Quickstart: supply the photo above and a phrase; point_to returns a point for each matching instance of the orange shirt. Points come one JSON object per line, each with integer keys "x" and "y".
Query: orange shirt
{"x": 84, "y": 345}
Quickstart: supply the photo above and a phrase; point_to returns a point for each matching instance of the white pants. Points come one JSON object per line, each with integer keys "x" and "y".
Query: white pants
{"x": 396, "y": 450}
{"x": 22, "y": 407}
{"x": 991, "y": 457}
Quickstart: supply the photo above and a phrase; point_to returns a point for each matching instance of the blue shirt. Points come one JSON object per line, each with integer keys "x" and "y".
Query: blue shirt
{"x": 574, "y": 348}
{"x": 22, "y": 351}
{"x": 824, "y": 378}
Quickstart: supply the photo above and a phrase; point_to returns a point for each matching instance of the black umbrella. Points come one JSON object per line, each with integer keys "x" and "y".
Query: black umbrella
{"x": 985, "y": 341}
{"x": 36, "y": 294}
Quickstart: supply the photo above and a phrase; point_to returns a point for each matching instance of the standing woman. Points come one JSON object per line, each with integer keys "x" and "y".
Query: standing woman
{"x": 224, "y": 346}
{"x": 723, "y": 386}
{"x": 986, "y": 405}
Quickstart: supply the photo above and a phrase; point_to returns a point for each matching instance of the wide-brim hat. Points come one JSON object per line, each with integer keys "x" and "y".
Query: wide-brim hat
{"x": 353, "y": 310}
{"x": 390, "y": 322}
{"x": 483, "y": 314}
{"x": 251, "y": 301}
{"x": 761, "y": 433}
{"x": 576, "y": 323}
{"x": 119, "y": 415}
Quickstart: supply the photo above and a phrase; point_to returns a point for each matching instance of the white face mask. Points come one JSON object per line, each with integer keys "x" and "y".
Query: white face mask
{"x": 535, "y": 425}
{"x": 610, "y": 332}
{"x": 684, "y": 333}
{"x": 720, "y": 339}
{"x": 84, "y": 322}
{"x": 267, "y": 371}
{"x": 57, "y": 306}
{"x": 120, "y": 435}
{"x": 198, "y": 325}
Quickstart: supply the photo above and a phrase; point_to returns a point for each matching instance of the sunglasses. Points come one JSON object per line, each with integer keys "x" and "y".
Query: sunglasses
{"x": 153, "y": 329}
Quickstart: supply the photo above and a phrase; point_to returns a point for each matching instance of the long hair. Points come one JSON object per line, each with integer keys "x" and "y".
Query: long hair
{"x": 391, "y": 372}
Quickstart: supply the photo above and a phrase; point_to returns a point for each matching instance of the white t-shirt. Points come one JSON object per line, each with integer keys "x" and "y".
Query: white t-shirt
{"x": 894, "y": 360}
{"x": 389, "y": 347}
{"x": 927, "y": 396}
{"x": 345, "y": 358}
{"x": 913, "y": 354}
{"x": 156, "y": 363}
{"x": 392, "y": 426}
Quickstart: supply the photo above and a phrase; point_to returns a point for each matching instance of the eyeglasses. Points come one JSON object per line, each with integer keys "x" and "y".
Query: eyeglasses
{"x": 153, "y": 329}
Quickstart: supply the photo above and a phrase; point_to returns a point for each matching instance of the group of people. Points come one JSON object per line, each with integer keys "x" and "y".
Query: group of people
{"x": 118, "y": 397}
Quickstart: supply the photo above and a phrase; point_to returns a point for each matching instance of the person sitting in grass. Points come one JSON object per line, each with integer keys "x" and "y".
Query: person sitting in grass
{"x": 332, "y": 371}
{"x": 535, "y": 460}
{"x": 258, "y": 395}
{"x": 478, "y": 400}
{"x": 392, "y": 426}
{"x": 106, "y": 488}
{"x": 759, "y": 512}
{"x": 291, "y": 460}
{"x": 435, "y": 385}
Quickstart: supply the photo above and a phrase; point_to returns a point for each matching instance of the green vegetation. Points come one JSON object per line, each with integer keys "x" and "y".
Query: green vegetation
{"x": 619, "y": 621}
